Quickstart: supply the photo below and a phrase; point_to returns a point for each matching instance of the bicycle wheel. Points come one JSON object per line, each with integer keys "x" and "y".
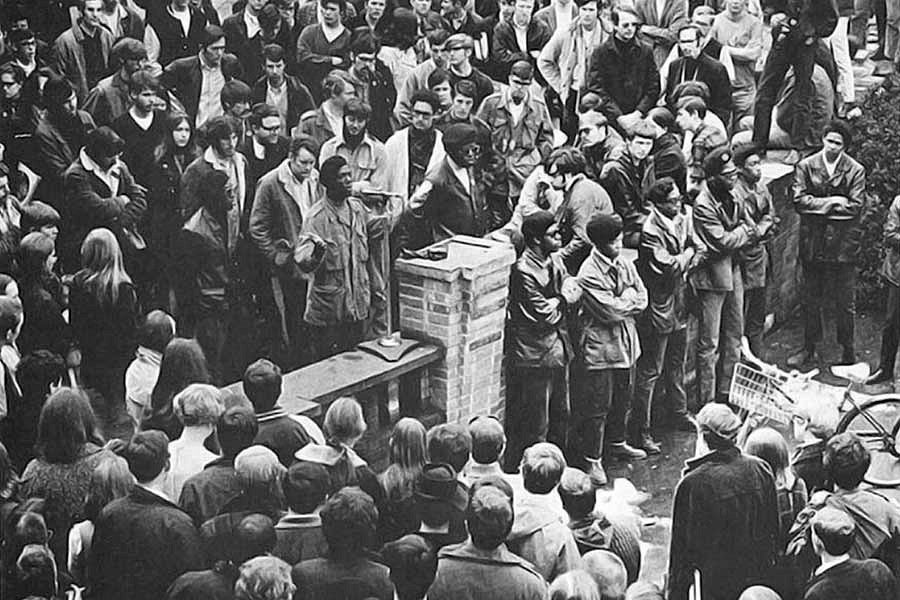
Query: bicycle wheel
{"x": 884, "y": 470}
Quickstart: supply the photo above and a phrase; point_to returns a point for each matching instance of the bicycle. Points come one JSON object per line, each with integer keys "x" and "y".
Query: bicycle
{"x": 765, "y": 389}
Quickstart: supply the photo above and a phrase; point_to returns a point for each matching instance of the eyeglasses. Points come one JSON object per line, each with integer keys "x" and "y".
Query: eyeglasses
{"x": 628, "y": 25}
{"x": 423, "y": 113}
{"x": 271, "y": 129}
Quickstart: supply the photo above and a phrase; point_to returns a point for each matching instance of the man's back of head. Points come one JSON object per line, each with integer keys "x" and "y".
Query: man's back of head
{"x": 488, "y": 439}
{"x": 449, "y": 443}
{"x": 254, "y": 535}
{"x": 542, "y": 467}
{"x": 846, "y": 459}
{"x": 262, "y": 384}
{"x": 489, "y": 517}
{"x": 148, "y": 455}
{"x": 236, "y": 430}
{"x": 608, "y": 571}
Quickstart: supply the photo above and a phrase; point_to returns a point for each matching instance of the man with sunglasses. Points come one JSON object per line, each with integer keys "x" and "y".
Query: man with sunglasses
{"x": 624, "y": 73}
{"x": 451, "y": 200}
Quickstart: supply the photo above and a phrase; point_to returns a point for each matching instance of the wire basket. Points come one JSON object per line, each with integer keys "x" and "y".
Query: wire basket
{"x": 759, "y": 392}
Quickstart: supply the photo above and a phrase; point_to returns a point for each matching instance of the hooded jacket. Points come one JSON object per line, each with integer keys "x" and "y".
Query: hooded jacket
{"x": 541, "y": 536}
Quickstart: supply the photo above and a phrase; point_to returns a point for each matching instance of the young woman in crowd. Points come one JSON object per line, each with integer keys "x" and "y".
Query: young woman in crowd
{"x": 183, "y": 363}
{"x": 67, "y": 455}
{"x": 110, "y": 480}
{"x": 344, "y": 426}
{"x": 197, "y": 408}
{"x": 178, "y": 149}
{"x": 43, "y": 300}
{"x": 397, "y": 516}
{"x": 104, "y": 313}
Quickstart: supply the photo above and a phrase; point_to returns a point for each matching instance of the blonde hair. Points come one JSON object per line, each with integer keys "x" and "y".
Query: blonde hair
{"x": 265, "y": 578}
{"x": 198, "y": 404}
{"x": 574, "y": 585}
{"x": 344, "y": 421}
{"x": 101, "y": 258}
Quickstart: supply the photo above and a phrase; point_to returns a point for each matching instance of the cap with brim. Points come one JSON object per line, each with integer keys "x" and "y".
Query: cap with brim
{"x": 459, "y": 40}
{"x": 719, "y": 419}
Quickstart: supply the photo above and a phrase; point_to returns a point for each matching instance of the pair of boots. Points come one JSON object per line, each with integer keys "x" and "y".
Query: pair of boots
{"x": 808, "y": 358}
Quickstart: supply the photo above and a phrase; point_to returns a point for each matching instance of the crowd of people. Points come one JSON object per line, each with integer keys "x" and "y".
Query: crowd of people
{"x": 189, "y": 185}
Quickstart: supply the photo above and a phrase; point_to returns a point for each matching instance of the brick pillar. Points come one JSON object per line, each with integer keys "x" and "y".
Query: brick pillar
{"x": 459, "y": 303}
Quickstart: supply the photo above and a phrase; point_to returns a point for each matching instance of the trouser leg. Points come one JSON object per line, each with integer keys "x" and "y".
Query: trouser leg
{"x": 732, "y": 328}
{"x": 673, "y": 372}
{"x": 892, "y": 33}
{"x": 770, "y": 82}
{"x": 558, "y": 417}
{"x": 755, "y": 317}
{"x": 708, "y": 343}
{"x": 844, "y": 282}
{"x": 603, "y": 407}
{"x": 813, "y": 294}
{"x": 647, "y": 373}
{"x": 859, "y": 20}
{"x": 890, "y": 337}
{"x": 527, "y": 411}
{"x": 840, "y": 48}
{"x": 803, "y": 61}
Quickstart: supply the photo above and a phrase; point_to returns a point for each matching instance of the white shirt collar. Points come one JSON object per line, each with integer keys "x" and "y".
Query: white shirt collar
{"x": 259, "y": 151}
{"x": 833, "y": 563}
{"x": 461, "y": 173}
{"x": 90, "y": 165}
{"x": 252, "y": 23}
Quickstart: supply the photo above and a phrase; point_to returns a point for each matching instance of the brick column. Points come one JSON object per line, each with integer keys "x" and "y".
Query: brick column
{"x": 460, "y": 303}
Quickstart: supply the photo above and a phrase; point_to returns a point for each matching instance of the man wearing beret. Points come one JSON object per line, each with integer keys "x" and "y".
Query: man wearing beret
{"x": 542, "y": 297}
{"x": 829, "y": 192}
{"x": 451, "y": 200}
{"x": 613, "y": 296}
{"x": 725, "y": 514}
{"x": 723, "y": 230}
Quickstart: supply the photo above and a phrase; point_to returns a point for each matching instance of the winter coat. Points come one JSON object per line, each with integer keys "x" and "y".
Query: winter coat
{"x": 142, "y": 543}
{"x": 582, "y": 200}
{"x": 625, "y": 76}
{"x": 608, "y": 337}
{"x": 829, "y": 234}
{"x": 662, "y": 273}
{"x": 757, "y": 203}
{"x": 541, "y": 536}
{"x": 724, "y": 524}
{"x": 465, "y": 572}
{"x": 68, "y": 57}
{"x": 720, "y": 235}
{"x": 521, "y": 145}
{"x": 538, "y": 335}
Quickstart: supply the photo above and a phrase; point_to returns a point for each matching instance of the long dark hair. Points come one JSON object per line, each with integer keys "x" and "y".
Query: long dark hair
{"x": 65, "y": 426}
{"x": 167, "y": 146}
{"x": 183, "y": 363}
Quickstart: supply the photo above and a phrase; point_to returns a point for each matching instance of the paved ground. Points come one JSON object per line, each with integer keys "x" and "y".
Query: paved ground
{"x": 658, "y": 476}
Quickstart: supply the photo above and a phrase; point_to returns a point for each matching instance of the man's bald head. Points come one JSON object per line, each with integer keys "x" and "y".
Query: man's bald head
{"x": 609, "y": 572}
